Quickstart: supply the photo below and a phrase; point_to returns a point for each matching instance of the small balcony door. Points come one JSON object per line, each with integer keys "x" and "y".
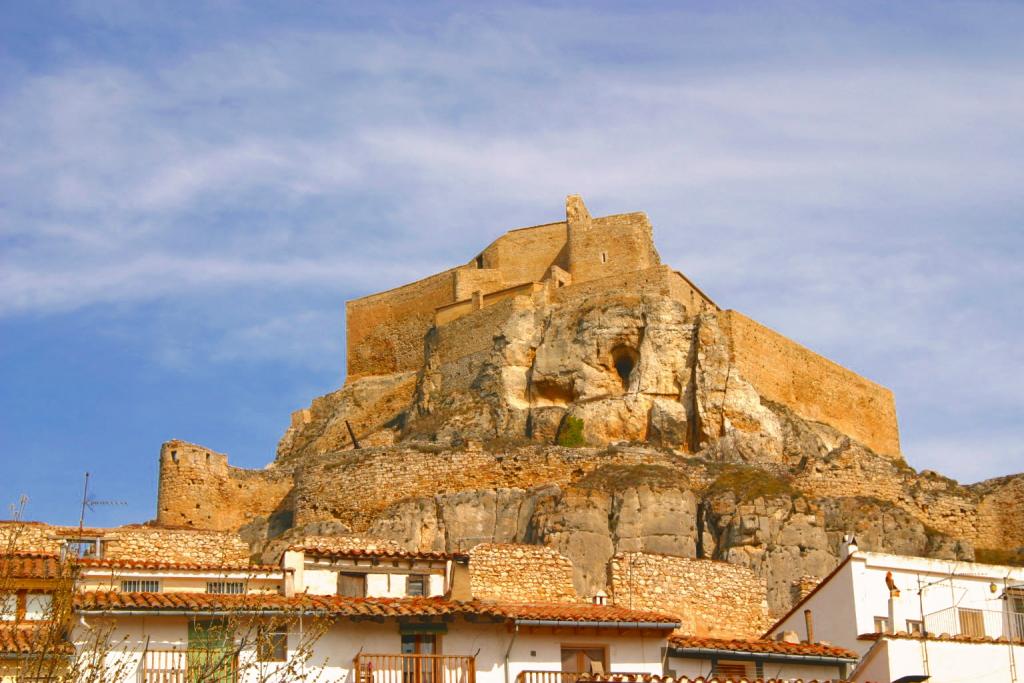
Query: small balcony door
{"x": 583, "y": 659}
{"x": 419, "y": 669}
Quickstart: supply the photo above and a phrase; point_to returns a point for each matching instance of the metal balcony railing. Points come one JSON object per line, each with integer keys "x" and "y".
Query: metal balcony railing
{"x": 975, "y": 623}
{"x": 390, "y": 668}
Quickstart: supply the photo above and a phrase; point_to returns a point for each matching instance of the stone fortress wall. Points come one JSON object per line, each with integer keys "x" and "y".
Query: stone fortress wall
{"x": 557, "y": 263}
{"x": 199, "y": 489}
{"x": 813, "y": 386}
{"x": 457, "y": 312}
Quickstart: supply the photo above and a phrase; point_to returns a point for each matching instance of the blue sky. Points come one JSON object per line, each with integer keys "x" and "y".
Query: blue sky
{"x": 189, "y": 193}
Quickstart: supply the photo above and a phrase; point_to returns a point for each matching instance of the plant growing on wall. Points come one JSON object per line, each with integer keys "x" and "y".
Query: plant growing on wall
{"x": 570, "y": 434}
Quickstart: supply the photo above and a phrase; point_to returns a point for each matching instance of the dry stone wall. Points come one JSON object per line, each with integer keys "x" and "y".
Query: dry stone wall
{"x": 506, "y": 572}
{"x": 710, "y": 598}
{"x": 130, "y": 542}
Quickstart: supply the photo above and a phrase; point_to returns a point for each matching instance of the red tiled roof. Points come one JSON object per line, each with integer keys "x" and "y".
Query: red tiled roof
{"x": 30, "y": 565}
{"x": 577, "y": 613}
{"x": 655, "y": 678}
{"x": 101, "y": 601}
{"x": 761, "y": 646}
{"x": 22, "y": 640}
{"x": 376, "y": 553}
{"x": 128, "y": 563}
{"x": 946, "y": 637}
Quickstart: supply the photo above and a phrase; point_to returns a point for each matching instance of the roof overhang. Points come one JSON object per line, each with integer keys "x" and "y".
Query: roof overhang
{"x": 706, "y": 652}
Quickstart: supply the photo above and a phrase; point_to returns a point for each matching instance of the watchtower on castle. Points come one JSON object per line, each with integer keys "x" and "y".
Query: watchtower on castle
{"x": 385, "y": 331}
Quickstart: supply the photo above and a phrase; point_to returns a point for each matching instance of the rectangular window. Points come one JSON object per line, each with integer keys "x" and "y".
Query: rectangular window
{"x": 9, "y": 607}
{"x": 882, "y": 625}
{"x": 585, "y": 659}
{"x": 352, "y": 585}
{"x": 915, "y": 627}
{"x": 226, "y": 587}
{"x": 972, "y": 622}
{"x": 273, "y": 644}
{"x": 724, "y": 668}
{"x": 37, "y": 606}
{"x": 140, "y": 586}
{"x": 416, "y": 585}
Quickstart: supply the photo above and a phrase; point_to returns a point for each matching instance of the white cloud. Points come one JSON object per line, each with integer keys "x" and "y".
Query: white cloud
{"x": 855, "y": 184}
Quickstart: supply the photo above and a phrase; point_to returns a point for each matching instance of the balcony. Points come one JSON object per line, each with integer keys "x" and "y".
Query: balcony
{"x": 188, "y": 666}
{"x": 380, "y": 668}
{"x": 975, "y": 623}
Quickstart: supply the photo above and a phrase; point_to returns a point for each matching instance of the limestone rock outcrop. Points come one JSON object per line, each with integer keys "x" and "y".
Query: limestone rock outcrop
{"x": 565, "y": 388}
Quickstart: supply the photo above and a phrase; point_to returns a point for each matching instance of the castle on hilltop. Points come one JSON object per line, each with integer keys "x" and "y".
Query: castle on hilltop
{"x": 582, "y": 256}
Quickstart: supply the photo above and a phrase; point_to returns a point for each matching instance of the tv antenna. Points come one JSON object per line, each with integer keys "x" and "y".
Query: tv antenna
{"x": 92, "y": 503}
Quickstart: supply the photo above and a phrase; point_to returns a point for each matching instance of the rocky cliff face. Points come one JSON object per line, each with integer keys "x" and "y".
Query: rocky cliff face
{"x": 679, "y": 454}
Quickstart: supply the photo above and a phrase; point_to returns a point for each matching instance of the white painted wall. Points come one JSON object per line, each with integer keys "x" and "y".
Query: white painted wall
{"x": 847, "y": 606}
{"x": 833, "y": 610}
{"x": 948, "y": 661}
{"x": 333, "y": 654}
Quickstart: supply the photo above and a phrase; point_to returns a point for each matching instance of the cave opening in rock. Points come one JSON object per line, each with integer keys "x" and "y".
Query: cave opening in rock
{"x": 625, "y": 359}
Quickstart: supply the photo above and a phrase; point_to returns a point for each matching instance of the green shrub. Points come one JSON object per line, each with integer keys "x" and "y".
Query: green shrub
{"x": 570, "y": 434}
{"x": 748, "y": 483}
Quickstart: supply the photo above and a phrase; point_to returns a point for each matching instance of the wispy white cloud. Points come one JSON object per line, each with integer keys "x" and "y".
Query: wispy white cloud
{"x": 852, "y": 180}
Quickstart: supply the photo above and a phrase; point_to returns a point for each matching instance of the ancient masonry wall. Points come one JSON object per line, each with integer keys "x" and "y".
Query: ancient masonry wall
{"x": 709, "y": 597}
{"x": 605, "y": 246}
{"x": 385, "y": 331}
{"x": 349, "y": 486}
{"x": 176, "y": 545}
{"x": 133, "y": 542}
{"x": 199, "y": 489}
{"x": 520, "y": 573}
{"x": 525, "y": 255}
{"x": 813, "y": 386}
{"x": 989, "y": 515}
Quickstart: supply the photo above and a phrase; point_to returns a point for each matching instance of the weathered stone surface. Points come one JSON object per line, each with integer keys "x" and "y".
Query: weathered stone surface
{"x": 707, "y": 433}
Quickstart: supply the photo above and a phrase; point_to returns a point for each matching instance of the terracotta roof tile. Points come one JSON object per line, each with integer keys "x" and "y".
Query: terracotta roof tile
{"x": 30, "y": 565}
{"x": 654, "y": 678}
{"x": 101, "y": 601}
{"x": 761, "y": 646}
{"x": 903, "y": 635}
{"x": 24, "y": 640}
{"x": 376, "y": 553}
{"x": 128, "y": 563}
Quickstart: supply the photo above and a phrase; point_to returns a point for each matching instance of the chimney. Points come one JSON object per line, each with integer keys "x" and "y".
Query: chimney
{"x": 809, "y": 623}
{"x": 849, "y": 546}
{"x": 459, "y": 590}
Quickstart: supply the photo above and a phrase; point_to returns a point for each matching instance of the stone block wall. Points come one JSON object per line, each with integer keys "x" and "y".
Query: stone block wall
{"x": 28, "y": 537}
{"x": 385, "y": 331}
{"x": 355, "y": 486}
{"x": 813, "y": 386}
{"x": 610, "y": 245}
{"x": 525, "y": 255}
{"x": 199, "y": 489}
{"x": 175, "y": 545}
{"x": 507, "y": 572}
{"x": 130, "y": 542}
{"x": 709, "y": 597}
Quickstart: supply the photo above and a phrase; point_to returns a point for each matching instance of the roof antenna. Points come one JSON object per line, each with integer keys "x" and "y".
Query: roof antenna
{"x": 90, "y": 503}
